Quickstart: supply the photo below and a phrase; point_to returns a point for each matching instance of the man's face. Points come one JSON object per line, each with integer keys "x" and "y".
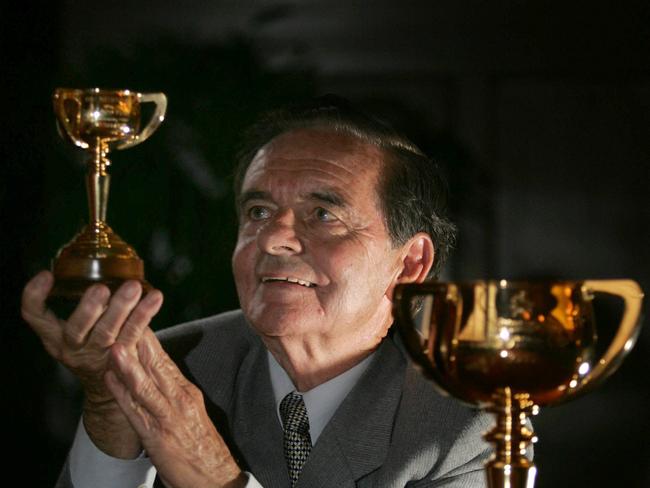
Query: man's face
{"x": 313, "y": 256}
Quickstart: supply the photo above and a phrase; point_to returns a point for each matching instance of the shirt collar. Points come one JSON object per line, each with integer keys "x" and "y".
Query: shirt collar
{"x": 322, "y": 401}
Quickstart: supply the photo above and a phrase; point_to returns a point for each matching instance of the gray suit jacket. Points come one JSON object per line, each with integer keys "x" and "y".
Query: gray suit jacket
{"x": 392, "y": 430}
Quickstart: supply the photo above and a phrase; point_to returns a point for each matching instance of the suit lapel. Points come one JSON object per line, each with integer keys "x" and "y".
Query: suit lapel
{"x": 255, "y": 424}
{"x": 356, "y": 440}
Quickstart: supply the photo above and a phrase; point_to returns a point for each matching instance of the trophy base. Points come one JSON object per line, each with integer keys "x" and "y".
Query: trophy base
{"x": 95, "y": 255}
{"x": 66, "y": 293}
{"x": 500, "y": 476}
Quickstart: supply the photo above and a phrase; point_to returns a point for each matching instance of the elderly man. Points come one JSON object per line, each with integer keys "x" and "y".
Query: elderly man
{"x": 306, "y": 385}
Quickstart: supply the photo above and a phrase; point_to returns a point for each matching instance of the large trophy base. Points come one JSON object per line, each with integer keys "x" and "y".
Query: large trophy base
{"x": 511, "y": 476}
{"x": 95, "y": 255}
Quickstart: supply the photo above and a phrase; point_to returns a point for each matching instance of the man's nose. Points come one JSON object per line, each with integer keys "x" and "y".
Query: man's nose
{"x": 279, "y": 235}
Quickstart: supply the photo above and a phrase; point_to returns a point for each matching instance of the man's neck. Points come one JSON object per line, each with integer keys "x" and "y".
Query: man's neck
{"x": 310, "y": 366}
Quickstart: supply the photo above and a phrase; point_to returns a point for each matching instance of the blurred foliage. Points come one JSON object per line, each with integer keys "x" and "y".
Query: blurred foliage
{"x": 171, "y": 196}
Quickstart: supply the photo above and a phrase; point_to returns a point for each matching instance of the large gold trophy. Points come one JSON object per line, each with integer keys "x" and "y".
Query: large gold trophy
{"x": 511, "y": 347}
{"x": 99, "y": 121}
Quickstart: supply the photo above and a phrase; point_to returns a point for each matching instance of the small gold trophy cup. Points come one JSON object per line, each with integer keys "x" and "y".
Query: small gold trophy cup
{"x": 99, "y": 121}
{"x": 511, "y": 347}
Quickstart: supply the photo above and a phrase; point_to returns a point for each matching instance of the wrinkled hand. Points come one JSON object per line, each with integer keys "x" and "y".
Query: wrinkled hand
{"x": 168, "y": 413}
{"x": 82, "y": 344}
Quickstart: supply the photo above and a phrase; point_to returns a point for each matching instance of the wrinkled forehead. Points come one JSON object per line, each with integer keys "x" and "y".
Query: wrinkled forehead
{"x": 320, "y": 148}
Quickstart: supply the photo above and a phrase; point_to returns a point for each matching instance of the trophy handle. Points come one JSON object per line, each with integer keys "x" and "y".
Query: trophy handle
{"x": 60, "y": 97}
{"x": 402, "y": 300}
{"x": 418, "y": 346}
{"x": 156, "y": 119}
{"x": 628, "y": 330}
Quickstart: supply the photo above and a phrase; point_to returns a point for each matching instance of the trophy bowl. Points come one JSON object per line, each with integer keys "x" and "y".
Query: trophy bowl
{"x": 99, "y": 121}
{"x": 510, "y": 347}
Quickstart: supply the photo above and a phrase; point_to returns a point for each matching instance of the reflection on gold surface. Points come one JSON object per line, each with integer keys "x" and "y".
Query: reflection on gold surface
{"x": 510, "y": 347}
{"x": 566, "y": 310}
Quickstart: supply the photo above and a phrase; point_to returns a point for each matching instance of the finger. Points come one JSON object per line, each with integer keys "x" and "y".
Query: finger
{"x": 140, "y": 318}
{"x": 111, "y": 322}
{"x": 141, "y": 421}
{"x": 141, "y": 387}
{"x": 34, "y": 309}
{"x": 81, "y": 321}
{"x": 161, "y": 369}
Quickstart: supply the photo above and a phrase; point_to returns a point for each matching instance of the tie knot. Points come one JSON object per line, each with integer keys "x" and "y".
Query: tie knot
{"x": 294, "y": 414}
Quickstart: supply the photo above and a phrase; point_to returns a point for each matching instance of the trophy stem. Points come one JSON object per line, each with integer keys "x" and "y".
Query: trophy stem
{"x": 509, "y": 467}
{"x": 97, "y": 186}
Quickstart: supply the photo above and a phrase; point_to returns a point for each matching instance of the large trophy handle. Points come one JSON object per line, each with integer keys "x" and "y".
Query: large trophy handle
{"x": 160, "y": 100}
{"x": 627, "y": 333}
{"x": 415, "y": 343}
{"x": 63, "y": 122}
{"x": 421, "y": 344}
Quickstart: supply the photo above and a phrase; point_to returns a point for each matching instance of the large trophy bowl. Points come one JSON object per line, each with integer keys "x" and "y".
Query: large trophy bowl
{"x": 511, "y": 347}
{"x": 99, "y": 121}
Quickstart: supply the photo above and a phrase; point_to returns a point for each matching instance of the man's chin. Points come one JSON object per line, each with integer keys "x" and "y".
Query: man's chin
{"x": 274, "y": 321}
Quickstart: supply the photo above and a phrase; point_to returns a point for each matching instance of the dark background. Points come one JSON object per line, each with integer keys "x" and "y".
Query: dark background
{"x": 539, "y": 112}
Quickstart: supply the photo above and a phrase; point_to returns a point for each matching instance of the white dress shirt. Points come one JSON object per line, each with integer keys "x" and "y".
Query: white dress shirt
{"x": 322, "y": 401}
{"x": 89, "y": 465}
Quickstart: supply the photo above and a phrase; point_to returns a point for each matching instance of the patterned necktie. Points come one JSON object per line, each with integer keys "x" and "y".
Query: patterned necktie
{"x": 297, "y": 441}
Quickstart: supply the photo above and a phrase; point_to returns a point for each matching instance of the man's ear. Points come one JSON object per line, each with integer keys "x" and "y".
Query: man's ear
{"x": 417, "y": 259}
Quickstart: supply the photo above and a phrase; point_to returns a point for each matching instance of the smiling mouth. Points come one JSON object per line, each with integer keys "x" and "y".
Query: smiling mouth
{"x": 307, "y": 284}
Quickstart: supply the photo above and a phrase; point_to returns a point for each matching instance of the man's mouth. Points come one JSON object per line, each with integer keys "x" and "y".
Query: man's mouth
{"x": 308, "y": 284}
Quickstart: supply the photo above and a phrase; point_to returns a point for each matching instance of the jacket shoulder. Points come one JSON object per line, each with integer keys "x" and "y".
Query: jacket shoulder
{"x": 228, "y": 329}
{"x": 441, "y": 433}
{"x": 210, "y": 351}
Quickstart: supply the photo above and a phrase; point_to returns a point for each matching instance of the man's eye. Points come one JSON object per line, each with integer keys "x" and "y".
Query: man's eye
{"x": 258, "y": 213}
{"x": 324, "y": 215}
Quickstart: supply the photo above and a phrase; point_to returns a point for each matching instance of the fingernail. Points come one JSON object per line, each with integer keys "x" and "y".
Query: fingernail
{"x": 155, "y": 296}
{"x": 42, "y": 279}
{"x": 130, "y": 289}
{"x": 99, "y": 293}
